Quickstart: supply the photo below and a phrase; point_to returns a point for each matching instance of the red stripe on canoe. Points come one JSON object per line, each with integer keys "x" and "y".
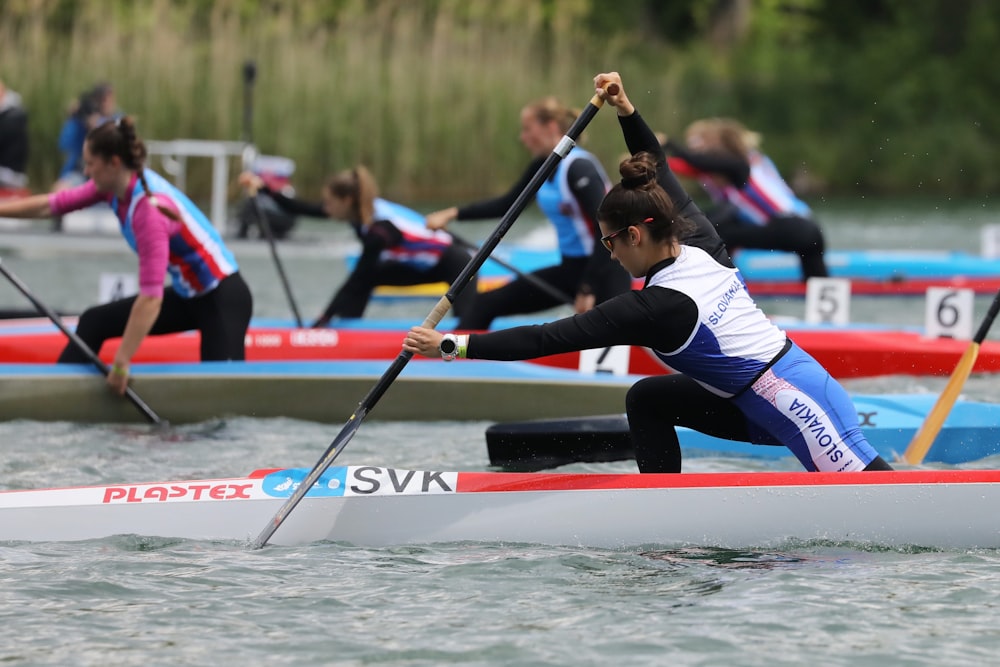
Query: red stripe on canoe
{"x": 846, "y": 353}
{"x": 498, "y": 482}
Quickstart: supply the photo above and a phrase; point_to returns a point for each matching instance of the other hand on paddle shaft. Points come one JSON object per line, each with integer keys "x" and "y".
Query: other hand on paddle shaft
{"x": 610, "y": 89}
{"x": 250, "y": 182}
{"x": 440, "y": 219}
{"x": 118, "y": 378}
{"x": 423, "y": 341}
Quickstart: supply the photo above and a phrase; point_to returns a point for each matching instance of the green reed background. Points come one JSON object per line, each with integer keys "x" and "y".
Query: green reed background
{"x": 428, "y": 93}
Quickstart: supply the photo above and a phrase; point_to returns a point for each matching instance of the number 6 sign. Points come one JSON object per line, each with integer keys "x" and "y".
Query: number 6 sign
{"x": 949, "y": 313}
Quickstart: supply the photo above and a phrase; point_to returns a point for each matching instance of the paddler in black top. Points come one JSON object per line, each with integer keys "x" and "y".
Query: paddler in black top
{"x": 569, "y": 199}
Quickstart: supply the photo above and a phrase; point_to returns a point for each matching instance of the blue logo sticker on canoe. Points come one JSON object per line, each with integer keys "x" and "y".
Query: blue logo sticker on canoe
{"x": 282, "y": 484}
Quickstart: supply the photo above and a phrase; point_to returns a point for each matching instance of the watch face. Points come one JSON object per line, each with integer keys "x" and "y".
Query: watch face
{"x": 448, "y": 346}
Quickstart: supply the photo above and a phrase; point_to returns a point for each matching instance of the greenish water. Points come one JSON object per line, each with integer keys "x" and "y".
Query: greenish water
{"x": 131, "y": 601}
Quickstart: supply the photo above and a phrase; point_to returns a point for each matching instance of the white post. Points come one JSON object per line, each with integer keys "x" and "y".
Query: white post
{"x": 989, "y": 241}
{"x": 613, "y": 360}
{"x": 220, "y": 183}
{"x": 174, "y": 155}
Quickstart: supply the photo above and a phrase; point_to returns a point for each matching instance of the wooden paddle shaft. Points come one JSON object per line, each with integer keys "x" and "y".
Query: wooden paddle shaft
{"x": 934, "y": 422}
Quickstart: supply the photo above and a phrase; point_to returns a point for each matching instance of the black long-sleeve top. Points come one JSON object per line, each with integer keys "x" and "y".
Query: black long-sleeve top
{"x": 655, "y": 318}
{"x": 586, "y": 185}
{"x": 352, "y": 297}
{"x": 733, "y": 168}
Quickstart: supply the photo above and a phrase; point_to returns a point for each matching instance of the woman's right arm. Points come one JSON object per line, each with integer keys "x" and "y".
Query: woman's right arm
{"x": 295, "y": 206}
{"x": 36, "y": 206}
{"x": 733, "y": 168}
{"x": 253, "y": 184}
{"x": 487, "y": 208}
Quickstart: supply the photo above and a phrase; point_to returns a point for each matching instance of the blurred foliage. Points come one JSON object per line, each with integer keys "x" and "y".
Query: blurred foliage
{"x": 879, "y": 96}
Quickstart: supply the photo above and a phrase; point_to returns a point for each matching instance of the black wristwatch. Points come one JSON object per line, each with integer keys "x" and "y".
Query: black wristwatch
{"x": 448, "y": 347}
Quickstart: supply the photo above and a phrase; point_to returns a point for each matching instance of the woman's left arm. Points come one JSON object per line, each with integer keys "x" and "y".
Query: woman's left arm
{"x": 152, "y": 241}
{"x": 145, "y": 310}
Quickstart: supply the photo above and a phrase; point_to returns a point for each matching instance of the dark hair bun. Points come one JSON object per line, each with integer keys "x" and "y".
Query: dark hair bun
{"x": 638, "y": 172}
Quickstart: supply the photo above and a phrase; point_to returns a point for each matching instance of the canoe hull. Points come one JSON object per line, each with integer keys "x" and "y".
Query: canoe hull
{"x": 327, "y": 392}
{"x": 374, "y": 506}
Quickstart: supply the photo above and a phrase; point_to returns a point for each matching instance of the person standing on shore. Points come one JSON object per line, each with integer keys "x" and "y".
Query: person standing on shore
{"x": 13, "y": 141}
{"x": 94, "y": 107}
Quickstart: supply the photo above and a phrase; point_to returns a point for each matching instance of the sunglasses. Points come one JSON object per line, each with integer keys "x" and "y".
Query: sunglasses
{"x": 608, "y": 240}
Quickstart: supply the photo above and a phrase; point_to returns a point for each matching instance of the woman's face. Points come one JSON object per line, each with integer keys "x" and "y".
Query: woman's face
{"x": 106, "y": 173}
{"x": 338, "y": 208}
{"x": 108, "y": 104}
{"x": 538, "y": 137}
{"x": 624, "y": 252}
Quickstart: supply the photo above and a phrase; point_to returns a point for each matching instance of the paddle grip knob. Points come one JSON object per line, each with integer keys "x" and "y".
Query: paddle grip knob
{"x": 612, "y": 89}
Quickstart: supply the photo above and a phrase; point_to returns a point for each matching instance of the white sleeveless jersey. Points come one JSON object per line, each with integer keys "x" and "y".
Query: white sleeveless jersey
{"x": 733, "y": 341}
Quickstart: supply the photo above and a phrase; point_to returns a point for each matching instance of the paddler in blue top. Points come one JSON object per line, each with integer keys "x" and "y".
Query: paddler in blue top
{"x": 397, "y": 249}
{"x": 569, "y": 199}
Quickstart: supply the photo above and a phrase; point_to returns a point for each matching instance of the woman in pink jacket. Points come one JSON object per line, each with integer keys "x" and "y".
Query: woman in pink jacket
{"x": 171, "y": 236}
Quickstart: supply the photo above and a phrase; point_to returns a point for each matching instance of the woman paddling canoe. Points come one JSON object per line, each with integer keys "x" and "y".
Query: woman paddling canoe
{"x": 397, "y": 249}
{"x": 171, "y": 236}
{"x": 738, "y": 376}
{"x": 754, "y": 206}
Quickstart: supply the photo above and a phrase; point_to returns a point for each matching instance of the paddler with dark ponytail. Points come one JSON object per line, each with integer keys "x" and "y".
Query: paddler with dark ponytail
{"x": 738, "y": 376}
{"x": 170, "y": 235}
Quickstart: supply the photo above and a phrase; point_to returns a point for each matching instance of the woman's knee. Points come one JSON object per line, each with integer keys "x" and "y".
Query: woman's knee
{"x": 87, "y": 322}
{"x": 662, "y": 396}
{"x": 641, "y": 397}
{"x": 97, "y": 324}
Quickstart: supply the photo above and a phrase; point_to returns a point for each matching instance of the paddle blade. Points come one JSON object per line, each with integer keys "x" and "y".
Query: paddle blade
{"x": 338, "y": 444}
{"x": 922, "y": 441}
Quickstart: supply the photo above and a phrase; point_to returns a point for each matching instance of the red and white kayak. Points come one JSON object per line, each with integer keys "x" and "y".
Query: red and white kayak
{"x": 847, "y": 352}
{"x": 377, "y": 506}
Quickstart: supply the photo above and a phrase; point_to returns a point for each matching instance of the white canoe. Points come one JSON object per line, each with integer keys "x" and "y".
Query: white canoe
{"x": 374, "y": 506}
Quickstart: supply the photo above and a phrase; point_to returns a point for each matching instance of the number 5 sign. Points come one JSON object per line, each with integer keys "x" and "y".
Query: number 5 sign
{"x": 828, "y": 301}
